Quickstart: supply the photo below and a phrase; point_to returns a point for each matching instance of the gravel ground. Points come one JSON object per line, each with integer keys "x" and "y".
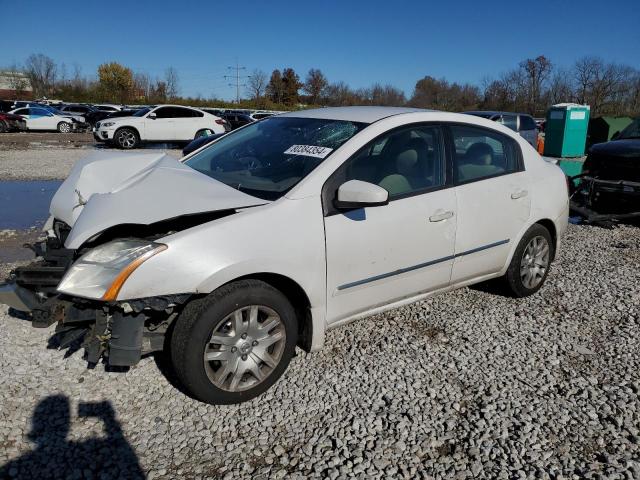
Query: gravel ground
{"x": 50, "y": 156}
{"x": 465, "y": 385}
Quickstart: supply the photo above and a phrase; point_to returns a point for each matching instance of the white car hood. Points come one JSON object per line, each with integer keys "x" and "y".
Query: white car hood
{"x": 106, "y": 189}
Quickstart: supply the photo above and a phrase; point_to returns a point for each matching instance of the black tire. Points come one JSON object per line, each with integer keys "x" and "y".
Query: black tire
{"x": 64, "y": 127}
{"x": 205, "y": 132}
{"x": 126, "y": 138}
{"x": 3, "y": 127}
{"x": 197, "y": 322}
{"x": 513, "y": 279}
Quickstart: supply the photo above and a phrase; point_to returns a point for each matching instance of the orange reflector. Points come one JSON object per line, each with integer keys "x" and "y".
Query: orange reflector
{"x": 112, "y": 292}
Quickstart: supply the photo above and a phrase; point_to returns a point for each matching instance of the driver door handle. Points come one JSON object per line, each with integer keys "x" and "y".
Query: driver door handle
{"x": 519, "y": 194}
{"x": 440, "y": 216}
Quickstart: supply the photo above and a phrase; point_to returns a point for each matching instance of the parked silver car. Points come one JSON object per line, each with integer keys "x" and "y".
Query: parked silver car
{"x": 522, "y": 123}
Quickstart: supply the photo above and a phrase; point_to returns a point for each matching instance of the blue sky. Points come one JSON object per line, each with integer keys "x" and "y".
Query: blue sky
{"x": 359, "y": 42}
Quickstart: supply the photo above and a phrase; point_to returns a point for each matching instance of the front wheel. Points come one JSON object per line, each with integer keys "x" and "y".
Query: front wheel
{"x": 126, "y": 138}
{"x": 232, "y": 345}
{"x": 64, "y": 127}
{"x": 531, "y": 261}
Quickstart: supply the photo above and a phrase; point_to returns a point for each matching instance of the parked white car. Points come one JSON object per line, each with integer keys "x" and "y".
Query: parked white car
{"x": 108, "y": 107}
{"x": 164, "y": 123}
{"x": 42, "y": 119}
{"x": 267, "y": 237}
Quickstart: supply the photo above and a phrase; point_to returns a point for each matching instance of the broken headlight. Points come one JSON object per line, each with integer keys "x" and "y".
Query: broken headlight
{"x": 100, "y": 273}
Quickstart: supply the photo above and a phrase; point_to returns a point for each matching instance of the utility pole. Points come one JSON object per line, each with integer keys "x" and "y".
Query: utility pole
{"x": 237, "y": 78}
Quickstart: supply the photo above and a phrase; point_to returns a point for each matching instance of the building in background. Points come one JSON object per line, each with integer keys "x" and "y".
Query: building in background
{"x": 15, "y": 85}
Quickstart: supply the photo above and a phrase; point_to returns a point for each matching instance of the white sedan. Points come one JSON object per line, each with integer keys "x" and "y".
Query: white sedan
{"x": 42, "y": 119}
{"x": 262, "y": 240}
{"x": 165, "y": 123}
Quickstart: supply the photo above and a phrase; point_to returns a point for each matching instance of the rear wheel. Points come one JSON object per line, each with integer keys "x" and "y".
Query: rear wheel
{"x": 126, "y": 138}
{"x": 531, "y": 261}
{"x": 235, "y": 343}
{"x": 3, "y": 127}
{"x": 64, "y": 127}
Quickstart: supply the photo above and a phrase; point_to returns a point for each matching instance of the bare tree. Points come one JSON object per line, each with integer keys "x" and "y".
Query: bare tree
{"x": 585, "y": 71}
{"x": 314, "y": 85}
{"x": 537, "y": 71}
{"x": 171, "y": 81}
{"x": 256, "y": 85}
{"x": 42, "y": 73}
{"x": 561, "y": 88}
{"x": 606, "y": 87}
{"x": 142, "y": 85}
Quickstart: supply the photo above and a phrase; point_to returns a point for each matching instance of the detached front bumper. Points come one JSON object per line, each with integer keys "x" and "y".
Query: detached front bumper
{"x": 17, "y": 126}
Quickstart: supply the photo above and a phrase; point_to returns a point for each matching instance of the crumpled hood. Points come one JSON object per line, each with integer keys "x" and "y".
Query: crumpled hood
{"x": 106, "y": 189}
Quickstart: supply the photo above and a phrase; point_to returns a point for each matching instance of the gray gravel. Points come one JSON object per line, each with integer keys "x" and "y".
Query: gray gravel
{"x": 46, "y": 163}
{"x": 468, "y": 384}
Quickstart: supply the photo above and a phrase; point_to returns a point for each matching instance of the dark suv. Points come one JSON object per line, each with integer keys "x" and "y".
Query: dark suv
{"x": 522, "y": 123}
{"x": 90, "y": 114}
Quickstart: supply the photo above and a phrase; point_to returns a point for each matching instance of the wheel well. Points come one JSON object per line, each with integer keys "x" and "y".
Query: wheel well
{"x": 130, "y": 128}
{"x": 551, "y": 227}
{"x": 298, "y": 298}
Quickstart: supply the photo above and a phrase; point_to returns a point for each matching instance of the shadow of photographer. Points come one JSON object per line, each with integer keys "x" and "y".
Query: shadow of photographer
{"x": 55, "y": 456}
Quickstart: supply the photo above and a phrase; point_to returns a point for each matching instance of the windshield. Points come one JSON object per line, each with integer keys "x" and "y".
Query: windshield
{"x": 141, "y": 113}
{"x": 631, "y": 131}
{"x": 267, "y": 158}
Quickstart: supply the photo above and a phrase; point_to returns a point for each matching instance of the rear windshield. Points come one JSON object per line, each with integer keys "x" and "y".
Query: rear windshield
{"x": 268, "y": 158}
{"x": 631, "y": 131}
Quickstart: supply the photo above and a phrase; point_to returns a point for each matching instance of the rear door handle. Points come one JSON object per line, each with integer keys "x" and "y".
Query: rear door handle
{"x": 440, "y": 216}
{"x": 519, "y": 194}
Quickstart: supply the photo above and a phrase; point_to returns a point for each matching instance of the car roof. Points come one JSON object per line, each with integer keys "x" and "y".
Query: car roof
{"x": 493, "y": 112}
{"x": 353, "y": 114}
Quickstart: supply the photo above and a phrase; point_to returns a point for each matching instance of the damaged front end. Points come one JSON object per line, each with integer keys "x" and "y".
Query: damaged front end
{"x": 120, "y": 333}
{"x": 609, "y": 186}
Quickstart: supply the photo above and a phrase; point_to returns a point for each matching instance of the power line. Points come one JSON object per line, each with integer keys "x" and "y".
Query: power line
{"x": 237, "y": 77}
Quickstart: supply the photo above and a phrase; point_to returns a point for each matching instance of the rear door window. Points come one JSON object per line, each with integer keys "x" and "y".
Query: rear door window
{"x": 481, "y": 153}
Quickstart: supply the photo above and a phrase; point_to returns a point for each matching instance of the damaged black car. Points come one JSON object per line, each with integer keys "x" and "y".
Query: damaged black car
{"x": 608, "y": 189}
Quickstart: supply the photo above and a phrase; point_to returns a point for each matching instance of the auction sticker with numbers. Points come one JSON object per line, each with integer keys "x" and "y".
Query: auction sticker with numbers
{"x": 309, "y": 151}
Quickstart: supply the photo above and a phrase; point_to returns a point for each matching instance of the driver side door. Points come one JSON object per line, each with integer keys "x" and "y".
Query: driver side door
{"x": 383, "y": 254}
{"x": 162, "y": 127}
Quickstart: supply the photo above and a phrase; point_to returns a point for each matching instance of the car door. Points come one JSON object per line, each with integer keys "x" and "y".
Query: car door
{"x": 40, "y": 119}
{"x": 379, "y": 255}
{"x": 160, "y": 128}
{"x": 492, "y": 196}
{"x": 186, "y": 122}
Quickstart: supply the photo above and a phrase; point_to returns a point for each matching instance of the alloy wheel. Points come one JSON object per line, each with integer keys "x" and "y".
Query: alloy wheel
{"x": 245, "y": 348}
{"x": 127, "y": 139}
{"x": 535, "y": 262}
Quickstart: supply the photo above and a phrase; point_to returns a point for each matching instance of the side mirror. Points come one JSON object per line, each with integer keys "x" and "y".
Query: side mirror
{"x": 359, "y": 194}
{"x": 152, "y": 115}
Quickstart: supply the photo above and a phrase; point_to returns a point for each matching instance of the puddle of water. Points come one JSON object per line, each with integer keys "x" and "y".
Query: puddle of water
{"x": 24, "y": 204}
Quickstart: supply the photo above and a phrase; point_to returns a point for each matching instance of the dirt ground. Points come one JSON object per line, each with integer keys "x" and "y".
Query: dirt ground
{"x": 30, "y": 140}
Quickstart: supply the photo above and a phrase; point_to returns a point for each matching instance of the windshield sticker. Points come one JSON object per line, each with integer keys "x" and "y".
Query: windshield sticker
{"x": 309, "y": 151}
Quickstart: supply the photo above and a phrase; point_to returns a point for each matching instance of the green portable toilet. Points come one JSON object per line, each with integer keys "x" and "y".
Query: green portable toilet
{"x": 601, "y": 129}
{"x": 566, "y": 130}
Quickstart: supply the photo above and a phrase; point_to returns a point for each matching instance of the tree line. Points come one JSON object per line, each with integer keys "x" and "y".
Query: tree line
{"x": 532, "y": 86}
